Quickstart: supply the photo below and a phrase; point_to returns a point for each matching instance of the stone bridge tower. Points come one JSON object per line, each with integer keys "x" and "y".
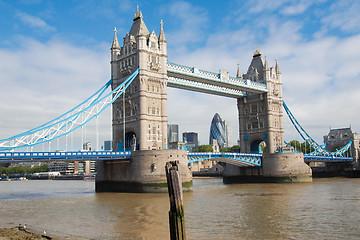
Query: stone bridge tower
{"x": 261, "y": 120}
{"x": 143, "y": 109}
{"x": 260, "y": 115}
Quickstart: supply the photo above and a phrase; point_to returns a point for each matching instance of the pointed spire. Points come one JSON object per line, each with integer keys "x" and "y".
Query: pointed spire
{"x": 115, "y": 43}
{"x": 277, "y": 68}
{"x": 162, "y": 34}
{"x": 238, "y": 74}
{"x": 267, "y": 68}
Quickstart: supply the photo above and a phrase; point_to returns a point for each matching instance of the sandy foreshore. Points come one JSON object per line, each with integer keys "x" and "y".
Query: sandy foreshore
{"x": 25, "y": 233}
{"x": 20, "y": 233}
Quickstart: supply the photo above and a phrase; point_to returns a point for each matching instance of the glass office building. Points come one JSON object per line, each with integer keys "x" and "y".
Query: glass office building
{"x": 221, "y": 131}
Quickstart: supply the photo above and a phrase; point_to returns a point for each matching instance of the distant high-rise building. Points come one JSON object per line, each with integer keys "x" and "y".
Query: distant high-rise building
{"x": 228, "y": 134}
{"x": 221, "y": 131}
{"x": 173, "y": 133}
{"x": 190, "y": 140}
{"x": 108, "y": 145}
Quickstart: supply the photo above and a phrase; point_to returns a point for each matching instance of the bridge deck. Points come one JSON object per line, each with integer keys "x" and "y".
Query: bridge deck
{"x": 238, "y": 159}
{"x": 313, "y": 158}
{"x": 61, "y": 156}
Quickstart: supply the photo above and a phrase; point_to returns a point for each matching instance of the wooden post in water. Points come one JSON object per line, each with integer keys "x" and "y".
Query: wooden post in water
{"x": 176, "y": 213}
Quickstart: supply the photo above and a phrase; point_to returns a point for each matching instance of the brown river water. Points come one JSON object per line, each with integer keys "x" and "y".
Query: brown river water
{"x": 325, "y": 209}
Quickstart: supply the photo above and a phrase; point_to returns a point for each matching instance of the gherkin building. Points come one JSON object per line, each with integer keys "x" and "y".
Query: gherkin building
{"x": 219, "y": 130}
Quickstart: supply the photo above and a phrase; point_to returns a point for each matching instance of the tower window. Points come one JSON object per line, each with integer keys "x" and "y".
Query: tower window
{"x": 253, "y": 108}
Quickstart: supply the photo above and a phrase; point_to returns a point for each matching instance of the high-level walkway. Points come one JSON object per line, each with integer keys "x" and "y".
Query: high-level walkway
{"x": 194, "y": 79}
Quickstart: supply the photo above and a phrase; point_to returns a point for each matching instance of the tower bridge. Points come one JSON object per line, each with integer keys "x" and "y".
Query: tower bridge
{"x": 140, "y": 75}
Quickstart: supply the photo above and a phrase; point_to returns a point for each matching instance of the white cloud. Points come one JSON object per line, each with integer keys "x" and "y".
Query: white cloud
{"x": 343, "y": 15}
{"x": 34, "y": 22}
{"x": 104, "y": 9}
{"x": 320, "y": 76}
{"x": 191, "y": 22}
{"x": 295, "y": 9}
{"x": 259, "y": 6}
{"x": 41, "y": 81}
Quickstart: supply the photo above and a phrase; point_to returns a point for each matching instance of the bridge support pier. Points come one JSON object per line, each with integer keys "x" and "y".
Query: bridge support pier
{"x": 144, "y": 172}
{"x": 276, "y": 168}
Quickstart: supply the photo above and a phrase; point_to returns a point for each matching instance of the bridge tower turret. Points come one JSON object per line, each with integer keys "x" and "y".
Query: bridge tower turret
{"x": 115, "y": 53}
{"x": 260, "y": 115}
{"x": 142, "y": 112}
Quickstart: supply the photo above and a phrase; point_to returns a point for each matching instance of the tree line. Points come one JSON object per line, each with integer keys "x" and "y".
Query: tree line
{"x": 23, "y": 170}
{"x": 208, "y": 148}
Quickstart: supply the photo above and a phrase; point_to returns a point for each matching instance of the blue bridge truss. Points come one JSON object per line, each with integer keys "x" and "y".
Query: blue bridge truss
{"x": 179, "y": 77}
{"x": 238, "y": 159}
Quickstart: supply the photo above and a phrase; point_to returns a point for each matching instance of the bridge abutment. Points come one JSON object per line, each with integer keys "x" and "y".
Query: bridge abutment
{"x": 276, "y": 168}
{"x": 144, "y": 172}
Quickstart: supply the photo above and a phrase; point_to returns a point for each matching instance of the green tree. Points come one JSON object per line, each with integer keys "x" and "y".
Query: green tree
{"x": 263, "y": 149}
{"x": 23, "y": 170}
{"x": 235, "y": 148}
{"x": 303, "y": 147}
{"x": 204, "y": 148}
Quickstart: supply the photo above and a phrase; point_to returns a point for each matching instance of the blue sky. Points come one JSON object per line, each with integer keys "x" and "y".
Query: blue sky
{"x": 54, "y": 54}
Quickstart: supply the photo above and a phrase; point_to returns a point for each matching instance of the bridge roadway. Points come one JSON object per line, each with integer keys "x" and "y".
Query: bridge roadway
{"x": 194, "y": 79}
{"x": 238, "y": 159}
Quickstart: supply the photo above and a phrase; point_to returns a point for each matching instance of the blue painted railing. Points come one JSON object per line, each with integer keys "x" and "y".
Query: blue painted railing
{"x": 61, "y": 156}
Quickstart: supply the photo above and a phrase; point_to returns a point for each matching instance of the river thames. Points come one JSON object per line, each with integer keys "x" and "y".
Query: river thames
{"x": 325, "y": 209}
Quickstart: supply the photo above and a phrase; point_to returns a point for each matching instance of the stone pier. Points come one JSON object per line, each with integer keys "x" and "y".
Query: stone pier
{"x": 145, "y": 172}
{"x": 276, "y": 168}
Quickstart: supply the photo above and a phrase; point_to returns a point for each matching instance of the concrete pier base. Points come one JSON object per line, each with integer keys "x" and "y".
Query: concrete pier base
{"x": 145, "y": 172}
{"x": 276, "y": 168}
